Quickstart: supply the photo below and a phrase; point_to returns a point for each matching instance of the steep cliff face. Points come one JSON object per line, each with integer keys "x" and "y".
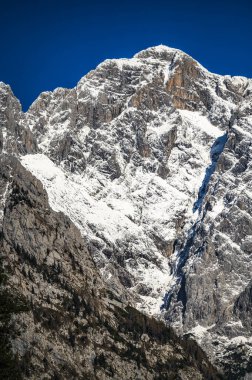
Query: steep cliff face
{"x": 213, "y": 298}
{"x": 57, "y": 319}
{"x": 150, "y": 158}
{"x": 15, "y": 138}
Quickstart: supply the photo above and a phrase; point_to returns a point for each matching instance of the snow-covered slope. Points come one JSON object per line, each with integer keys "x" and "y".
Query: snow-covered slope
{"x": 135, "y": 218}
{"x": 143, "y": 155}
{"x": 127, "y": 165}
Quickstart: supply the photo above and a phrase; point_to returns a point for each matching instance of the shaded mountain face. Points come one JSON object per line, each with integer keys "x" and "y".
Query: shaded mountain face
{"x": 149, "y": 157}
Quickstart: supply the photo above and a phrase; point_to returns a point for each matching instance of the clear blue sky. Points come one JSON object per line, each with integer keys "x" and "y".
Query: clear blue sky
{"x": 46, "y": 44}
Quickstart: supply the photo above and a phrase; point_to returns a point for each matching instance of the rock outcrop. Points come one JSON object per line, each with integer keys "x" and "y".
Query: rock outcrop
{"x": 15, "y": 138}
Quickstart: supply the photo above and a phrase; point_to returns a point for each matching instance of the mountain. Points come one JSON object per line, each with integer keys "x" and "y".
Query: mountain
{"x": 146, "y": 166}
{"x": 57, "y": 319}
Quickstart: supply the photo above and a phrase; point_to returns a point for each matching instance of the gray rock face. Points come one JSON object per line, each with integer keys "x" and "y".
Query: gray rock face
{"x": 57, "y": 318}
{"x": 14, "y": 137}
{"x": 242, "y": 307}
{"x": 213, "y": 300}
{"x": 150, "y": 157}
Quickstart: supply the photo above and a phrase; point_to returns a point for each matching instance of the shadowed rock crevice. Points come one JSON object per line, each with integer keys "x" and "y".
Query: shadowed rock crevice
{"x": 215, "y": 153}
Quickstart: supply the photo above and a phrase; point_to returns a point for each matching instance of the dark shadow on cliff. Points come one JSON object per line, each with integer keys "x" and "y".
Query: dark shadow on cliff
{"x": 180, "y": 285}
{"x": 215, "y": 153}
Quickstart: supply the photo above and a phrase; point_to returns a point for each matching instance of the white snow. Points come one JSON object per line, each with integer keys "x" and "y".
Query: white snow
{"x": 201, "y": 122}
{"x": 241, "y": 340}
{"x": 4, "y": 133}
{"x": 2, "y": 201}
{"x": 70, "y": 194}
{"x": 217, "y": 208}
{"x": 200, "y": 331}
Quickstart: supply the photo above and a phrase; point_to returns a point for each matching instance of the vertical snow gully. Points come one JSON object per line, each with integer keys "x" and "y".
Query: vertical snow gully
{"x": 216, "y": 150}
{"x": 183, "y": 253}
{"x": 177, "y": 271}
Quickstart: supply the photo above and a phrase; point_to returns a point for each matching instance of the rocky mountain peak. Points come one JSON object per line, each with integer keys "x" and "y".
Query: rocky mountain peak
{"x": 150, "y": 158}
{"x": 15, "y": 137}
{"x": 161, "y": 52}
